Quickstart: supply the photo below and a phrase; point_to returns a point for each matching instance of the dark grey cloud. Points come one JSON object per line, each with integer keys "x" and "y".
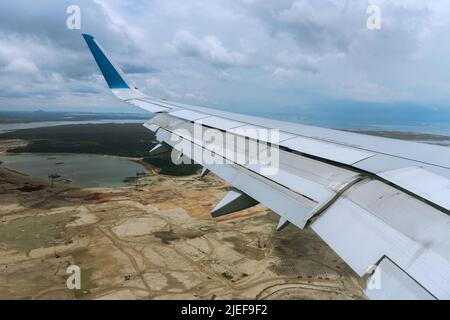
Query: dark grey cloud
{"x": 331, "y": 26}
{"x": 227, "y": 52}
{"x": 138, "y": 68}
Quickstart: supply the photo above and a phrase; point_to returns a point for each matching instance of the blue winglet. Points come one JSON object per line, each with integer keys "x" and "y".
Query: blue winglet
{"x": 111, "y": 74}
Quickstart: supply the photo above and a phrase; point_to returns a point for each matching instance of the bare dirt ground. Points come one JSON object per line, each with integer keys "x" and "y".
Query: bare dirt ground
{"x": 157, "y": 242}
{"x": 11, "y": 144}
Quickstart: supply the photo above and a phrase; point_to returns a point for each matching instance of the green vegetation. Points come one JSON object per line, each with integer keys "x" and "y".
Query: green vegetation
{"x": 167, "y": 167}
{"x": 227, "y": 275}
{"x": 40, "y": 115}
{"x": 31, "y": 233}
{"x": 127, "y": 140}
{"x": 412, "y": 136}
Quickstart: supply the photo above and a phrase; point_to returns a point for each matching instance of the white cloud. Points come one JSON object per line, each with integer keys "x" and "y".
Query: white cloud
{"x": 295, "y": 63}
{"x": 245, "y": 53}
{"x": 21, "y": 65}
{"x": 156, "y": 86}
{"x": 285, "y": 73}
{"x": 209, "y": 48}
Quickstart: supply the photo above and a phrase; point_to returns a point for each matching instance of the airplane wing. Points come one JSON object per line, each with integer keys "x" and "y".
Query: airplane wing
{"x": 381, "y": 204}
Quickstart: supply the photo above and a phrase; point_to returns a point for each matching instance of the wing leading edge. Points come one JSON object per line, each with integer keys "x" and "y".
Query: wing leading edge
{"x": 378, "y": 203}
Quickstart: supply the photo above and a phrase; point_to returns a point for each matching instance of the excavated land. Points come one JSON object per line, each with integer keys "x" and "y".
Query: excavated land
{"x": 156, "y": 241}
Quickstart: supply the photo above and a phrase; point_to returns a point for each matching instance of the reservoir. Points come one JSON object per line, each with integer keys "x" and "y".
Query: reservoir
{"x": 86, "y": 171}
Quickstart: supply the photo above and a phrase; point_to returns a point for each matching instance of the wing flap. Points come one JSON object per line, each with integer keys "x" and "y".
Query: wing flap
{"x": 425, "y": 184}
{"x": 326, "y": 150}
{"x": 377, "y": 221}
{"x": 392, "y": 283}
{"x": 189, "y": 115}
{"x": 220, "y": 123}
{"x": 293, "y": 206}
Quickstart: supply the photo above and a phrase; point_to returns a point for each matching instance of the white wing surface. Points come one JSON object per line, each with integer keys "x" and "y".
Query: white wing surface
{"x": 381, "y": 204}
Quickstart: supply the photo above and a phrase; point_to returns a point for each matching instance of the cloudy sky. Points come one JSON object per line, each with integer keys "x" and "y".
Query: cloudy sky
{"x": 240, "y": 55}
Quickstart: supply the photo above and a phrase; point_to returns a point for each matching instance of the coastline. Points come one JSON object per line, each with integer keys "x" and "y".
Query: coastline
{"x": 405, "y": 135}
{"x": 11, "y": 143}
